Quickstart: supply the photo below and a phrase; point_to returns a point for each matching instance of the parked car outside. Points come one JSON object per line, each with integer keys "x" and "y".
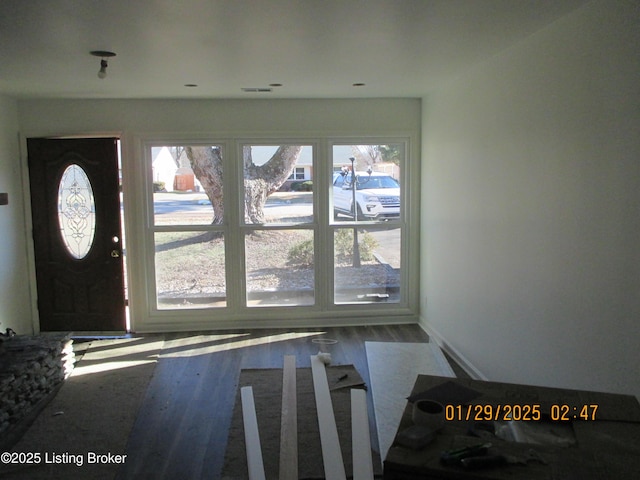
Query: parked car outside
{"x": 377, "y": 196}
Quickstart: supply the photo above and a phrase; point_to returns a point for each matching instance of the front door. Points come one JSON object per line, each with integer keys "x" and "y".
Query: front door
{"x": 75, "y": 206}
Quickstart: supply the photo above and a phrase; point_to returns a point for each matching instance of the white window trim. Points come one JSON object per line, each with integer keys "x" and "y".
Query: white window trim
{"x": 324, "y": 312}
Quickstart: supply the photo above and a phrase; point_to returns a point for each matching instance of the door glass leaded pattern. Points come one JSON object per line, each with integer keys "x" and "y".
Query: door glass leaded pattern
{"x": 76, "y": 211}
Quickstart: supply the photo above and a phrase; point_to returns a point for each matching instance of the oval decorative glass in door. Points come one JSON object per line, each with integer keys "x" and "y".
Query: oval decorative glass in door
{"x": 76, "y": 211}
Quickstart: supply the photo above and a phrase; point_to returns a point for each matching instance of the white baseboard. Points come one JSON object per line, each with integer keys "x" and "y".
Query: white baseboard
{"x": 457, "y": 356}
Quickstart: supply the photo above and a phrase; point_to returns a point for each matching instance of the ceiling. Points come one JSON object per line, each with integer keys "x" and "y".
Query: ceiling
{"x": 314, "y": 48}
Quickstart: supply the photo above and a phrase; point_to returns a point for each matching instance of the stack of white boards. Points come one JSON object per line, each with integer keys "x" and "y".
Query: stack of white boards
{"x": 331, "y": 452}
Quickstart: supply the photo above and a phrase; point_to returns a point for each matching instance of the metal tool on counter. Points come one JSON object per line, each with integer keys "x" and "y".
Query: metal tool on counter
{"x": 489, "y": 461}
{"x": 455, "y": 457}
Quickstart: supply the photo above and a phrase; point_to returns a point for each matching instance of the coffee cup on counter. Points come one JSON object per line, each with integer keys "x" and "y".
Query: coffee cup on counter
{"x": 428, "y": 413}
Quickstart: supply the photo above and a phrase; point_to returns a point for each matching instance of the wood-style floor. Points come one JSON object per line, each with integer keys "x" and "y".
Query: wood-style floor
{"x": 181, "y": 429}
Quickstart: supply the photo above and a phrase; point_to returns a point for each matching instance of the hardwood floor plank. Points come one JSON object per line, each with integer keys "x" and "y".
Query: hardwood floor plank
{"x": 165, "y": 433}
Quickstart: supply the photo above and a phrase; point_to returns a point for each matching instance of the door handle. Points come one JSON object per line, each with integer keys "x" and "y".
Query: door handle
{"x": 115, "y": 253}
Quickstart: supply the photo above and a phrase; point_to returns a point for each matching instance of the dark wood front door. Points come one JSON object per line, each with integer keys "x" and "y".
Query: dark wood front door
{"x": 75, "y": 206}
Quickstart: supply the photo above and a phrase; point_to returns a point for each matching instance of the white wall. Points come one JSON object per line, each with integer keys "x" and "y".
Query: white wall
{"x": 15, "y": 306}
{"x": 203, "y": 119}
{"x": 531, "y": 207}
{"x": 260, "y": 117}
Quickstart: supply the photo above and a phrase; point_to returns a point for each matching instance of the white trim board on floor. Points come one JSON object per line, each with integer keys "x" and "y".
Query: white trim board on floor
{"x": 251, "y": 435}
{"x": 393, "y": 368}
{"x": 289, "y": 422}
{"x": 360, "y": 436}
{"x": 331, "y": 452}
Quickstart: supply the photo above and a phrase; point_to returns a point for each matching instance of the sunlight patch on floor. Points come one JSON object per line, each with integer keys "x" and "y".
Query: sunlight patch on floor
{"x": 116, "y": 354}
{"x": 199, "y": 346}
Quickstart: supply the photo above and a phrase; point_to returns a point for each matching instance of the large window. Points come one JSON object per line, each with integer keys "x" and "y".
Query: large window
{"x": 188, "y": 226}
{"x": 318, "y": 226}
{"x": 279, "y": 268}
{"x": 367, "y": 214}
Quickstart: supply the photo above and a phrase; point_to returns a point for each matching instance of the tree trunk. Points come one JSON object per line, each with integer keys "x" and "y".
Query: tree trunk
{"x": 206, "y": 163}
{"x": 260, "y": 181}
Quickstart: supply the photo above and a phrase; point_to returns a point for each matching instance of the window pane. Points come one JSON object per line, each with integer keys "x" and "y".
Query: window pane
{"x": 279, "y": 267}
{"x": 76, "y": 211}
{"x": 187, "y": 185}
{"x": 190, "y": 270}
{"x": 373, "y": 275}
{"x": 375, "y": 188}
{"x": 278, "y": 184}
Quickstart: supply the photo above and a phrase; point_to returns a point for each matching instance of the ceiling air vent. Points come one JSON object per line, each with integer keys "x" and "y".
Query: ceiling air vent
{"x": 257, "y": 89}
